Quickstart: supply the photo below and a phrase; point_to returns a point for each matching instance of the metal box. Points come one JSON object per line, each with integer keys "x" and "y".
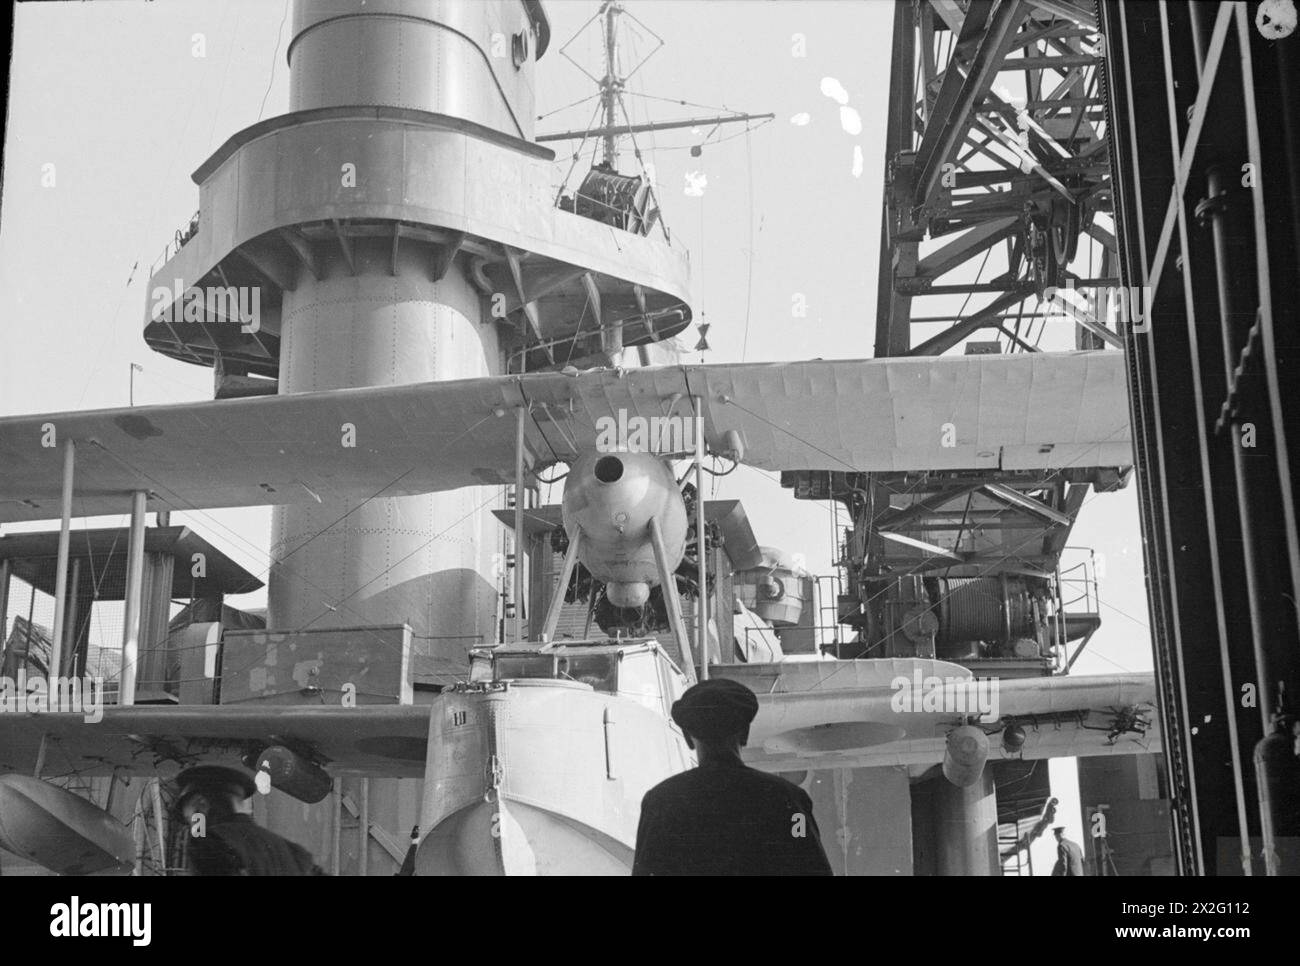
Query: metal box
{"x": 365, "y": 665}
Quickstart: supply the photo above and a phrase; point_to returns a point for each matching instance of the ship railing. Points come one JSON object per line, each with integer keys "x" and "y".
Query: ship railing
{"x": 824, "y": 601}
{"x": 179, "y": 240}
{"x": 514, "y": 359}
{"x": 1081, "y": 580}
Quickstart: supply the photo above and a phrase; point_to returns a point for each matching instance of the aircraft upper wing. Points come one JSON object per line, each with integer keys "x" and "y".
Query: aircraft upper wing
{"x": 371, "y": 740}
{"x": 1026, "y": 411}
{"x": 1032, "y": 411}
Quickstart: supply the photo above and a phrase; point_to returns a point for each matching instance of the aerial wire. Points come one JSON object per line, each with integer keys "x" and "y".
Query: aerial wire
{"x": 147, "y": 230}
{"x": 749, "y": 273}
{"x": 216, "y": 110}
{"x": 274, "y": 57}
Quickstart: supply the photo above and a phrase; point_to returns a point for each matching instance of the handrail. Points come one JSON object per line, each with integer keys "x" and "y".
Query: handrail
{"x": 180, "y": 239}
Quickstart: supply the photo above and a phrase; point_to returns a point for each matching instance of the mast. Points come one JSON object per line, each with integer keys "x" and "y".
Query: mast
{"x": 611, "y": 86}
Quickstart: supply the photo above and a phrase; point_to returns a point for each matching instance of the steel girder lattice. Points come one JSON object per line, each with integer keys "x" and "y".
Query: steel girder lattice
{"x": 997, "y": 198}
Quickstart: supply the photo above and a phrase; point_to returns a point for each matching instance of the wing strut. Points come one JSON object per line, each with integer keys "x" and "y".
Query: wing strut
{"x": 61, "y": 575}
{"x": 672, "y": 602}
{"x": 521, "y": 417}
{"x": 557, "y": 599}
{"x": 702, "y": 594}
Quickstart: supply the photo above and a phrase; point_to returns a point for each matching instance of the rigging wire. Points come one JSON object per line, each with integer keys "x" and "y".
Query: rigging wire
{"x": 714, "y": 142}
{"x": 577, "y": 154}
{"x": 577, "y": 103}
{"x": 274, "y": 57}
{"x": 749, "y": 271}
{"x": 225, "y": 73}
{"x": 978, "y": 274}
{"x": 636, "y": 150}
{"x": 673, "y": 100}
{"x": 179, "y": 140}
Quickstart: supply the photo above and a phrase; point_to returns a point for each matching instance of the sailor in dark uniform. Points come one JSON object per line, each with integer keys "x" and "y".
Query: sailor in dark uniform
{"x": 724, "y": 818}
{"x": 226, "y": 840}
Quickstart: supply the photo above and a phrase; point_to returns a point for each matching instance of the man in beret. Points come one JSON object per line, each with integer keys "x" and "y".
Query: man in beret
{"x": 222, "y": 838}
{"x": 725, "y": 818}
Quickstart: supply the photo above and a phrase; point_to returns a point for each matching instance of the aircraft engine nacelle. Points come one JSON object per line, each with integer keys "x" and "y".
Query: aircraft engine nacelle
{"x": 611, "y": 498}
{"x": 965, "y": 754}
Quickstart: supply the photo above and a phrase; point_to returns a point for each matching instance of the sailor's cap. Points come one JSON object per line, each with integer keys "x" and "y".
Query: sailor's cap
{"x": 715, "y": 708}
{"x": 210, "y": 777}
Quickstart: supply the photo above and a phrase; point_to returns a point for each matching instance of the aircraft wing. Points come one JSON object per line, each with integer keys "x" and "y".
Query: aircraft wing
{"x": 1025, "y": 411}
{"x": 373, "y": 740}
{"x": 1032, "y": 411}
{"x": 833, "y": 714}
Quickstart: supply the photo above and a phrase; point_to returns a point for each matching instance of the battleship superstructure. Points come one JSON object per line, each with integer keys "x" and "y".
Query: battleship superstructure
{"x": 400, "y": 224}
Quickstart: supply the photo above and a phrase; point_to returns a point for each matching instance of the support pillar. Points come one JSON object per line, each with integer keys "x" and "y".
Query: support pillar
{"x": 73, "y": 597}
{"x": 702, "y": 595}
{"x": 61, "y": 573}
{"x": 155, "y": 612}
{"x": 966, "y": 828}
{"x": 4, "y": 607}
{"x": 134, "y": 595}
{"x": 521, "y": 417}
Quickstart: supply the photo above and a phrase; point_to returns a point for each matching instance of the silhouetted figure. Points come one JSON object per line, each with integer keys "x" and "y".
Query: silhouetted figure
{"x": 221, "y": 836}
{"x": 725, "y": 818}
{"x": 1069, "y": 857}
